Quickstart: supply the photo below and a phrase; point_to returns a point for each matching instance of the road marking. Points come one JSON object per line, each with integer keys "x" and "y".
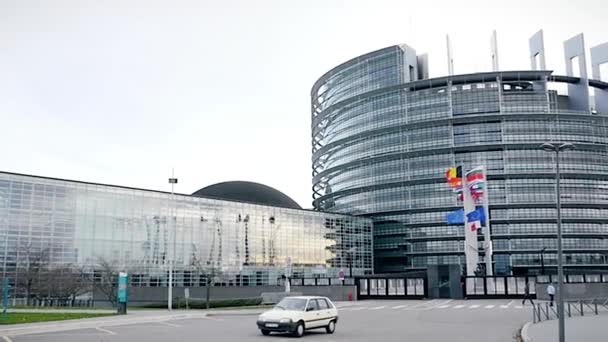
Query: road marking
{"x": 459, "y": 306}
{"x": 7, "y": 339}
{"x": 358, "y": 309}
{"x": 105, "y": 330}
{"x": 378, "y": 308}
{"x": 490, "y": 306}
{"x": 170, "y": 324}
{"x": 443, "y": 306}
{"x": 438, "y": 304}
{"x": 507, "y": 306}
{"x": 474, "y": 306}
{"x": 519, "y": 307}
{"x": 213, "y": 318}
{"x": 399, "y": 306}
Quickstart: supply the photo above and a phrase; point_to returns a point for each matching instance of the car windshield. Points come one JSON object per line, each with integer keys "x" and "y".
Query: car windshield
{"x": 296, "y": 304}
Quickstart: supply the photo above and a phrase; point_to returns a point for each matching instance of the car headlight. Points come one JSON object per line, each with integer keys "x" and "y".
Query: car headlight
{"x": 261, "y": 319}
{"x": 285, "y": 320}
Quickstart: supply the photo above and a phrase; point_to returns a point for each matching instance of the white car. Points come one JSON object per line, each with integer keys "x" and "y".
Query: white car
{"x": 296, "y": 314}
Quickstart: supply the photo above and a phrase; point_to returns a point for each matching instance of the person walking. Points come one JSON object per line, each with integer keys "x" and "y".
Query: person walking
{"x": 527, "y": 294}
{"x": 551, "y": 292}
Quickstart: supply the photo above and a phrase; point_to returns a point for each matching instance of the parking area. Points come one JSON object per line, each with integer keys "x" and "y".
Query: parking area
{"x": 388, "y": 320}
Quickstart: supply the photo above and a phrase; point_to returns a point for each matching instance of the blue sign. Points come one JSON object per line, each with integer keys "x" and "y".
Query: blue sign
{"x": 122, "y": 287}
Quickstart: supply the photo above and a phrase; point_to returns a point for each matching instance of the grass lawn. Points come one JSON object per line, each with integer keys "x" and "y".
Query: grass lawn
{"x": 31, "y": 317}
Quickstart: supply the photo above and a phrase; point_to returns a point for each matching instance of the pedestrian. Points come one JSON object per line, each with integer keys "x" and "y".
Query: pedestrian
{"x": 551, "y": 292}
{"x": 527, "y": 294}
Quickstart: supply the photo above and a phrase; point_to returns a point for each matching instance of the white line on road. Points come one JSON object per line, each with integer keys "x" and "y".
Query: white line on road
{"x": 519, "y": 307}
{"x": 105, "y": 330}
{"x": 460, "y": 306}
{"x": 378, "y": 308}
{"x": 507, "y": 306}
{"x": 490, "y": 306}
{"x": 170, "y": 324}
{"x": 438, "y": 304}
{"x": 443, "y": 306}
{"x": 358, "y": 309}
{"x": 7, "y": 339}
{"x": 399, "y": 306}
{"x": 474, "y": 306}
{"x": 211, "y": 318}
{"x": 421, "y": 304}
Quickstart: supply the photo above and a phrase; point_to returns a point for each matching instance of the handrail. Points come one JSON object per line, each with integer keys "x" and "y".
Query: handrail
{"x": 578, "y": 307}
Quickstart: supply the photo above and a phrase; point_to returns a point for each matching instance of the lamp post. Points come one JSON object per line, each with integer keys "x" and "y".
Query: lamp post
{"x": 557, "y": 148}
{"x": 350, "y": 261}
{"x": 172, "y": 181}
{"x": 542, "y": 260}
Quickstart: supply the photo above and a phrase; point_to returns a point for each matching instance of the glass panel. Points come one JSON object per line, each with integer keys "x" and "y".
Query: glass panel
{"x": 373, "y": 287}
{"x": 521, "y": 285}
{"x": 392, "y": 287}
{"x": 382, "y": 287}
{"x": 400, "y": 287}
{"x": 420, "y": 287}
{"x": 592, "y": 278}
{"x": 411, "y": 287}
{"x": 490, "y": 286}
{"x": 575, "y": 278}
{"x": 511, "y": 285}
{"x": 363, "y": 287}
{"x": 500, "y": 285}
{"x": 532, "y": 283}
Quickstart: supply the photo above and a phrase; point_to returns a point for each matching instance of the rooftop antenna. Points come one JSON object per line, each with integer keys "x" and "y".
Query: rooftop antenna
{"x": 450, "y": 56}
{"x": 494, "y": 47}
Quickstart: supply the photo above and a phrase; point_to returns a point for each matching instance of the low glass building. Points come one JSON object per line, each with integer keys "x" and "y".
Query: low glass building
{"x": 49, "y": 224}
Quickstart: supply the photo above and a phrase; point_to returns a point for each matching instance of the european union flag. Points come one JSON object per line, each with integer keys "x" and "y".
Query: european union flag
{"x": 477, "y": 215}
{"x": 456, "y": 217}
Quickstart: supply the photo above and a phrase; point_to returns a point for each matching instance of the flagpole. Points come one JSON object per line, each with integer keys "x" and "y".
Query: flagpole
{"x": 471, "y": 250}
{"x": 486, "y": 233}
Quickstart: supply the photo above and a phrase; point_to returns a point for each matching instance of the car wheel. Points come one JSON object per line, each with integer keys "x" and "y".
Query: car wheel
{"x": 265, "y": 332}
{"x": 299, "y": 330}
{"x": 331, "y": 327}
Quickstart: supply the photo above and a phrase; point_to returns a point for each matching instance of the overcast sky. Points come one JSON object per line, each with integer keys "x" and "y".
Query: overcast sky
{"x": 120, "y": 92}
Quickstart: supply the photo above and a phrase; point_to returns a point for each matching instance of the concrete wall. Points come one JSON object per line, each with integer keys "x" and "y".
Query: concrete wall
{"x": 153, "y": 295}
{"x": 576, "y": 291}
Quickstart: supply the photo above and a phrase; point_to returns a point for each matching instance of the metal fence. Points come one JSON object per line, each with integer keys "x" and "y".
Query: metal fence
{"x": 546, "y": 311}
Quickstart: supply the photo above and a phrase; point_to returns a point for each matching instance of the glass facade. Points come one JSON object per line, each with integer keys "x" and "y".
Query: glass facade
{"x": 84, "y": 225}
{"x": 381, "y": 151}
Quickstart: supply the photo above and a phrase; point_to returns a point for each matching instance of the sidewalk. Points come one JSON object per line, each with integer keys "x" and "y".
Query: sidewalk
{"x": 586, "y": 328}
{"x": 134, "y": 317}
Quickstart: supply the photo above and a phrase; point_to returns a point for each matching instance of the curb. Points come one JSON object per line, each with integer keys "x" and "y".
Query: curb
{"x": 524, "y": 332}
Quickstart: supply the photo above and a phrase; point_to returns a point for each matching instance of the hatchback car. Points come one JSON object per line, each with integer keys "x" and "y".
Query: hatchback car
{"x": 296, "y": 314}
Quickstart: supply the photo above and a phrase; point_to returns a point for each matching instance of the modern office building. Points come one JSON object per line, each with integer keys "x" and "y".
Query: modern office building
{"x": 49, "y": 224}
{"x": 384, "y": 134}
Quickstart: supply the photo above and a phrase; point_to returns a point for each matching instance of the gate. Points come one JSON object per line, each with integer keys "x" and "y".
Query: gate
{"x": 391, "y": 287}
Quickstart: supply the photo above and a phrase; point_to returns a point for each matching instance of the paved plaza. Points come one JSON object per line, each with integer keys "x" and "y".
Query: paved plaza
{"x": 387, "y": 320}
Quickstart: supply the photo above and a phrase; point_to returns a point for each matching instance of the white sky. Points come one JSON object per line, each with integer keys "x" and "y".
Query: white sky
{"x": 120, "y": 92}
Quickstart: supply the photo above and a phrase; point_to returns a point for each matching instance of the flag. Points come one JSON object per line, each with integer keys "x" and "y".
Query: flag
{"x": 453, "y": 172}
{"x": 475, "y": 176}
{"x": 477, "y": 215}
{"x": 456, "y": 217}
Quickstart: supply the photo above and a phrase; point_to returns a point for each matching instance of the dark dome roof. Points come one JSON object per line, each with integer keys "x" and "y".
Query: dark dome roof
{"x": 248, "y": 192}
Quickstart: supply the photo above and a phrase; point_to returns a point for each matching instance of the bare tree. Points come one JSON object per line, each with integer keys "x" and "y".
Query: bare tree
{"x": 31, "y": 269}
{"x": 105, "y": 279}
{"x": 65, "y": 282}
{"x": 206, "y": 270}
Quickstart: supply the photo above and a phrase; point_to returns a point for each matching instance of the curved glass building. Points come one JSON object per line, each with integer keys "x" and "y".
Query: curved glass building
{"x": 383, "y": 135}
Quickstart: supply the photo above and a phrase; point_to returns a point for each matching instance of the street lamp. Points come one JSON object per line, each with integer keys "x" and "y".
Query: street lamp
{"x": 557, "y": 148}
{"x": 542, "y": 260}
{"x": 350, "y": 261}
{"x": 172, "y": 181}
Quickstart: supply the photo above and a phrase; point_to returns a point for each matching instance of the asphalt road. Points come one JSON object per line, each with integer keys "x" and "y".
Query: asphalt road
{"x": 428, "y": 321}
